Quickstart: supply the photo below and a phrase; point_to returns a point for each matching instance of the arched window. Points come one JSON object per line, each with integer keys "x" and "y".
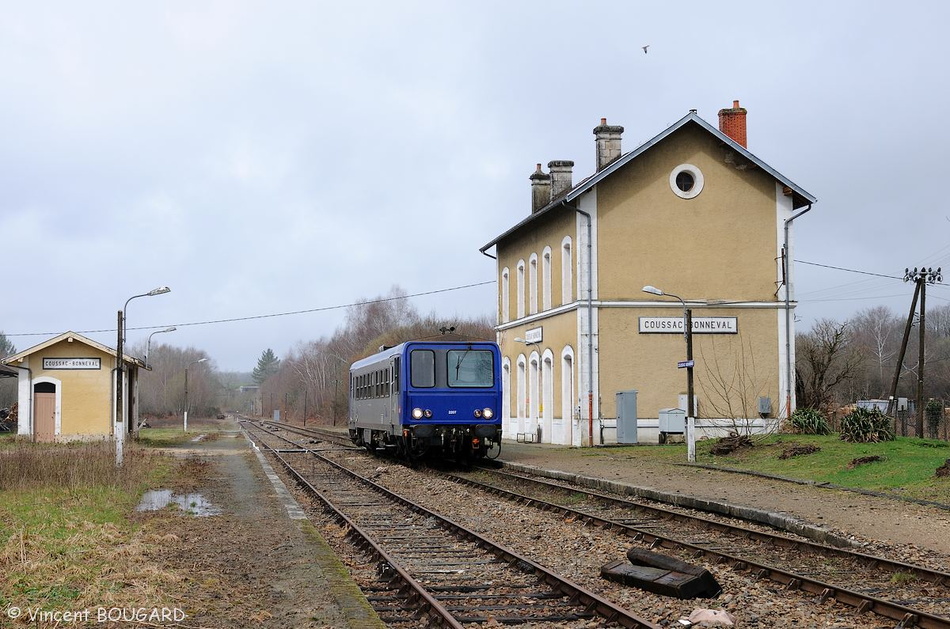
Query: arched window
{"x": 534, "y": 388}
{"x": 567, "y": 382}
{"x": 522, "y": 402}
{"x": 546, "y": 279}
{"x": 520, "y": 288}
{"x": 505, "y": 295}
{"x": 546, "y": 411}
{"x": 533, "y": 284}
{"x": 567, "y": 271}
{"x": 506, "y": 389}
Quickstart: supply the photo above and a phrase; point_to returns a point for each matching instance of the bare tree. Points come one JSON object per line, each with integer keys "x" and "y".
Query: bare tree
{"x": 162, "y": 389}
{"x": 876, "y": 332}
{"x": 825, "y": 360}
{"x": 732, "y": 382}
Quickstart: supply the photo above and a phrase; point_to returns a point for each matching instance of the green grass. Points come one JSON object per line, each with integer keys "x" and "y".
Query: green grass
{"x": 907, "y": 467}
{"x": 162, "y": 437}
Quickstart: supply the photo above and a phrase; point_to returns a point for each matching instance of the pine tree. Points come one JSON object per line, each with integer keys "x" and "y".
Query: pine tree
{"x": 6, "y": 347}
{"x": 267, "y": 365}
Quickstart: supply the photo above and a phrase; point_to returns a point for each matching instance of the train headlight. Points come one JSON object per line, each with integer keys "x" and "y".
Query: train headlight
{"x": 417, "y": 413}
{"x": 487, "y": 413}
{"x": 427, "y": 413}
{"x": 478, "y": 413}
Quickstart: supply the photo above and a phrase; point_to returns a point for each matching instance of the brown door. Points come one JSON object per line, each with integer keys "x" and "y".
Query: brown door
{"x": 44, "y": 414}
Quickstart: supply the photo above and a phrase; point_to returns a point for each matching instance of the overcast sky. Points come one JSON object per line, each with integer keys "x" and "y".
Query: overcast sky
{"x": 270, "y": 157}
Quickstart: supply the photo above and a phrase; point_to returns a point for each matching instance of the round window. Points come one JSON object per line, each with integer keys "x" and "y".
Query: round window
{"x": 686, "y": 181}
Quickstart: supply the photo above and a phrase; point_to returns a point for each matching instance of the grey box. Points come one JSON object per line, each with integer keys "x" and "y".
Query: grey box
{"x": 672, "y": 420}
{"x": 626, "y": 417}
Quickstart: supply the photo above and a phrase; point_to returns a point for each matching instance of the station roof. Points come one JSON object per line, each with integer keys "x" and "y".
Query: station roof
{"x": 800, "y": 197}
{"x": 71, "y": 336}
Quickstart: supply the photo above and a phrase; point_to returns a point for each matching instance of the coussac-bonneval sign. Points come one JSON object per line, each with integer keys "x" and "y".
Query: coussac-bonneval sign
{"x": 701, "y": 325}
{"x": 72, "y": 363}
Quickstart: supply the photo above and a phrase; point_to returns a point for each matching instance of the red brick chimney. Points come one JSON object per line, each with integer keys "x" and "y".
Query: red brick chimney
{"x": 732, "y": 123}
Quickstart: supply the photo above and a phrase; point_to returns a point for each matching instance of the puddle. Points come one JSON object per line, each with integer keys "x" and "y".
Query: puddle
{"x": 191, "y": 504}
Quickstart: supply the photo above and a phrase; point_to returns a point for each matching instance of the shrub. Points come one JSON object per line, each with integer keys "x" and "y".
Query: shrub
{"x": 934, "y": 413}
{"x": 809, "y": 421}
{"x": 866, "y": 425}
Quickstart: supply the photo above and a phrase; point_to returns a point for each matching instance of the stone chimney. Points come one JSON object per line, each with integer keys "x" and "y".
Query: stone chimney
{"x": 732, "y": 123}
{"x": 540, "y": 189}
{"x": 561, "y": 172}
{"x": 607, "y": 138}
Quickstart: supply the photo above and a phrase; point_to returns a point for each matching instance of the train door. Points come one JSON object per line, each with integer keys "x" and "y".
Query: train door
{"x": 395, "y": 411}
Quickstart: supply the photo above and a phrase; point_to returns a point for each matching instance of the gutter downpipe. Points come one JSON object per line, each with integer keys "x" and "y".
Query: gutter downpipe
{"x": 29, "y": 417}
{"x": 788, "y": 318}
{"x": 590, "y": 320}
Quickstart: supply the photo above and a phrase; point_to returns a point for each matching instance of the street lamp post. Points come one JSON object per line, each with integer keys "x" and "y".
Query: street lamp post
{"x": 688, "y": 335}
{"x": 194, "y": 362}
{"x": 121, "y": 426}
{"x": 148, "y": 344}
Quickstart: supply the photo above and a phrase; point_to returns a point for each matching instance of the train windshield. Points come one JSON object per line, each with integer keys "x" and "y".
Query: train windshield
{"x": 470, "y": 368}
{"x": 422, "y": 368}
{"x": 452, "y": 368}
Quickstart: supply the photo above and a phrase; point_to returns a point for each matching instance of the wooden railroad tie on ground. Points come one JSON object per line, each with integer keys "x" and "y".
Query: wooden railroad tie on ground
{"x": 660, "y": 574}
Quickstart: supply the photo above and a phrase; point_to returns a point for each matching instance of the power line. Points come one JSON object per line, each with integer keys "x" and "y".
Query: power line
{"x": 841, "y": 268}
{"x": 272, "y": 315}
{"x": 387, "y": 299}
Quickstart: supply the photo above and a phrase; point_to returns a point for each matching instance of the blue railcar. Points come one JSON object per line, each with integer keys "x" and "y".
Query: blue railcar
{"x": 435, "y": 397}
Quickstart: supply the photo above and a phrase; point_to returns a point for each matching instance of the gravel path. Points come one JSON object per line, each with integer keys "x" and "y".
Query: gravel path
{"x": 873, "y": 520}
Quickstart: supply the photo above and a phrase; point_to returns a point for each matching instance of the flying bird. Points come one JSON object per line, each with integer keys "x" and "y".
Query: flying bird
{"x": 645, "y": 48}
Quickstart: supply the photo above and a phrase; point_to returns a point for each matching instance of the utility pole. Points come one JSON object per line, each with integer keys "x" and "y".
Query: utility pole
{"x": 119, "y": 426}
{"x": 921, "y": 277}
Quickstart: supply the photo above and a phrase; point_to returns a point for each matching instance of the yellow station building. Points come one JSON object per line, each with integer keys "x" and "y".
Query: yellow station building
{"x": 66, "y": 389}
{"x": 692, "y": 212}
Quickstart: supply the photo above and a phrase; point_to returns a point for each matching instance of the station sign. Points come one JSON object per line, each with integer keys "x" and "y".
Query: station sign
{"x": 72, "y": 363}
{"x": 534, "y": 335}
{"x": 701, "y": 325}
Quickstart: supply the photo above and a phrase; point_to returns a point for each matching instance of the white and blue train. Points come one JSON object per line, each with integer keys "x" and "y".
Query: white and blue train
{"x": 441, "y": 398}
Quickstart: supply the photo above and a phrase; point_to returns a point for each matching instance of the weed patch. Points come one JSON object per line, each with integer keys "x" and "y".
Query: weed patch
{"x": 864, "y": 460}
{"x": 66, "y": 540}
{"x": 798, "y": 451}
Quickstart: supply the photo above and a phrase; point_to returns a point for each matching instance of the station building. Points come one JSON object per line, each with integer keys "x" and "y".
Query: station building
{"x": 66, "y": 389}
{"x": 692, "y": 212}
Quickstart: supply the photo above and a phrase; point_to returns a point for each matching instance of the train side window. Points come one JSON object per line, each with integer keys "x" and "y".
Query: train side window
{"x": 422, "y": 368}
{"x": 396, "y": 364}
{"x": 386, "y": 382}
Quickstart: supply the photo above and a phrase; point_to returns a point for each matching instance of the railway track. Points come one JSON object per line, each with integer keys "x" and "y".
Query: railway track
{"x": 912, "y": 595}
{"x": 909, "y": 595}
{"x": 427, "y": 565}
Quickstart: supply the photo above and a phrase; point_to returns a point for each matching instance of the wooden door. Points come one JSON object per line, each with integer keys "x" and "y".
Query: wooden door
{"x": 44, "y": 415}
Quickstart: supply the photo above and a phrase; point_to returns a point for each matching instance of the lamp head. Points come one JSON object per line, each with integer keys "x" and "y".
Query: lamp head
{"x": 653, "y": 290}
{"x": 171, "y": 329}
{"x": 158, "y": 291}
